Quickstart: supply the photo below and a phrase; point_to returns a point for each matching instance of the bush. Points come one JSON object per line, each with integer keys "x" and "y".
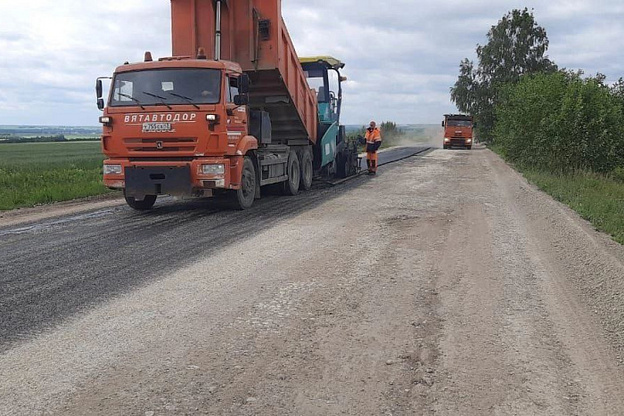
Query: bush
{"x": 561, "y": 122}
{"x": 618, "y": 174}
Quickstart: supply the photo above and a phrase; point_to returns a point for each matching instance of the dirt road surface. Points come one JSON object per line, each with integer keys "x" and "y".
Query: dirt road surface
{"x": 444, "y": 285}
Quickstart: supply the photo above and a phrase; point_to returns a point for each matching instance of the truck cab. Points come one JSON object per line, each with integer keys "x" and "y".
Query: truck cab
{"x": 186, "y": 112}
{"x": 458, "y": 131}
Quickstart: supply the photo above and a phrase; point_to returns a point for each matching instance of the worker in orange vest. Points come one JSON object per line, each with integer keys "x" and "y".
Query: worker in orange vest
{"x": 373, "y": 141}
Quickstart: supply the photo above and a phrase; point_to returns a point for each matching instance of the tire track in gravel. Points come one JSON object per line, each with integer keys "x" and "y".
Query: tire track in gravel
{"x": 518, "y": 339}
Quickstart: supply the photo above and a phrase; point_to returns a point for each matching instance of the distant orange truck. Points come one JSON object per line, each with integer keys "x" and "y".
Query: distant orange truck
{"x": 458, "y": 131}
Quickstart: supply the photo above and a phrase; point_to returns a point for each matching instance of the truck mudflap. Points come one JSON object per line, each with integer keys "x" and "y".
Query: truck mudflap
{"x": 156, "y": 180}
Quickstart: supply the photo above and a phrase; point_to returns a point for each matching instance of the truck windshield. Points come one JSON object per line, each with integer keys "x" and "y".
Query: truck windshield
{"x": 316, "y": 80}
{"x": 459, "y": 123}
{"x": 166, "y": 87}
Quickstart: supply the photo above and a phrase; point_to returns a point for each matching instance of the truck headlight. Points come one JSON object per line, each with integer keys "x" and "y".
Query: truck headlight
{"x": 216, "y": 169}
{"x": 113, "y": 170}
{"x": 468, "y": 140}
{"x": 446, "y": 139}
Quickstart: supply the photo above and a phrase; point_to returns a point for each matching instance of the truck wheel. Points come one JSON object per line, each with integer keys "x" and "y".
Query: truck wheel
{"x": 291, "y": 186}
{"x": 468, "y": 147}
{"x": 306, "y": 171}
{"x": 144, "y": 205}
{"x": 244, "y": 197}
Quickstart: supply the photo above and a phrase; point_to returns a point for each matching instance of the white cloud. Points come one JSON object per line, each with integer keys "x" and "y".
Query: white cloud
{"x": 402, "y": 56}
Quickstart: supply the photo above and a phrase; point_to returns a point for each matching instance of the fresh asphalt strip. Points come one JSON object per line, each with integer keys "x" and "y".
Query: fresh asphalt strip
{"x": 391, "y": 155}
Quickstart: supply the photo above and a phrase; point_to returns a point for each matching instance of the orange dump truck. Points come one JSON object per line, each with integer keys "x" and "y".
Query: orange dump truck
{"x": 458, "y": 131}
{"x": 230, "y": 112}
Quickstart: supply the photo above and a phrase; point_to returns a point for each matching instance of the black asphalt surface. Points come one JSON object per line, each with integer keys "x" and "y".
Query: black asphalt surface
{"x": 56, "y": 268}
{"x": 395, "y": 154}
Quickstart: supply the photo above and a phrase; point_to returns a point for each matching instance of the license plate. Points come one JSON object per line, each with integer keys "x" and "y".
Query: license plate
{"x": 156, "y": 127}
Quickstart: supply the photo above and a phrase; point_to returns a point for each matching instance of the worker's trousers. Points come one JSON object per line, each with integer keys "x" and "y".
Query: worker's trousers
{"x": 371, "y": 161}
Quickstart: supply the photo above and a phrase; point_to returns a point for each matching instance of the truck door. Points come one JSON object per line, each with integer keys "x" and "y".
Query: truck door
{"x": 236, "y": 116}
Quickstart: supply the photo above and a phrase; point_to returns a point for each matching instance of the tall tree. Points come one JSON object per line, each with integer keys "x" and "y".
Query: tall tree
{"x": 617, "y": 89}
{"x": 464, "y": 93}
{"x": 516, "y": 46}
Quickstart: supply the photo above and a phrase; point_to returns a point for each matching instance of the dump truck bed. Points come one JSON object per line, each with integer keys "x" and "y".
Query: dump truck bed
{"x": 255, "y": 36}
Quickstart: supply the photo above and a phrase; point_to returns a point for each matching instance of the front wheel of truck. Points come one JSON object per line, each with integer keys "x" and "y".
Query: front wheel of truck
{"x": 143, "y": 205}
{"x": 244, "y": 197}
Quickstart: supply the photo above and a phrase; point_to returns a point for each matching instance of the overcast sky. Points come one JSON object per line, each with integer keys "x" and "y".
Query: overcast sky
{"x": 402, "y": 55}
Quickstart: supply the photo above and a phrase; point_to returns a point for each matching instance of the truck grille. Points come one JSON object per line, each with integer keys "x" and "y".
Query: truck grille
{"x": 168, "y": 144}
{"x": 458, "y": 142}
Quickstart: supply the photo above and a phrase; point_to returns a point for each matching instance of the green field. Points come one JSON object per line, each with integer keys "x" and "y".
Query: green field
{"x": 40, "y": 173}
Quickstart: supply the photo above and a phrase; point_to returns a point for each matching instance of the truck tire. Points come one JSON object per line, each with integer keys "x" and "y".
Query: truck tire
{"x": 469, "y": 147}
{"x": 144, "y": 205}
{"x": 307, "y": 171}
{"x": 245, "y": 196}
{"x": 291, "y": 186}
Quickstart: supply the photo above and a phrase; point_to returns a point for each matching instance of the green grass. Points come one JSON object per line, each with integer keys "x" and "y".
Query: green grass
{"x": 597, "y": 198}
{"x": 40, "y": 173}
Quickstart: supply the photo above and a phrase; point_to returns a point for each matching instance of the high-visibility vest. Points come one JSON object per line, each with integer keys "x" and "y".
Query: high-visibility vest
{"x": 373, "y": 136}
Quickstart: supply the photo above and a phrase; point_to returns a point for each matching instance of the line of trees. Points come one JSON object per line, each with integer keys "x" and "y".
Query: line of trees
{"x": 44, "y": 139}
{"x": 536, "y": 114}
{"x": 389, "y": 130}
{"x": 35, "y": 139}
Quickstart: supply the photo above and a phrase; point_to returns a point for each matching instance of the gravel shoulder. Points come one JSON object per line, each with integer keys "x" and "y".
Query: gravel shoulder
{"x": 444, "y": 285}
{"x": 43, "y": 212}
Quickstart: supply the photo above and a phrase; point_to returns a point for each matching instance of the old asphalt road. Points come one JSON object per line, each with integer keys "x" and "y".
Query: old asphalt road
{"x": 444, "y": 285}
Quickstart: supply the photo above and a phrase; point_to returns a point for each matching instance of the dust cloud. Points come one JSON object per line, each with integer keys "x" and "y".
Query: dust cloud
{"x": 421, "y": 135}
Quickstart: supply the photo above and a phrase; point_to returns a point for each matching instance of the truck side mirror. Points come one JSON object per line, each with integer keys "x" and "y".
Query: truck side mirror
{"x": 243, "y": 84}
{"x": 98, "y": 88}
{"x": 242, "y": 99}
{"x": 474, "y": 125}
{"x": 100, "y": 103}
{"x": 442, "y": 124}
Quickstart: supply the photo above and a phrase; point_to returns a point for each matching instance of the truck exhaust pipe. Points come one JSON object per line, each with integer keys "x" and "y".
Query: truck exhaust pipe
{"x": 217, "y": 54}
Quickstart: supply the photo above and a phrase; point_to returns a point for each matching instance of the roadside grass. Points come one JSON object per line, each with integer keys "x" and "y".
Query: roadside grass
{"x": 597, "y": 198}
{"x": 41, "y": 173}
